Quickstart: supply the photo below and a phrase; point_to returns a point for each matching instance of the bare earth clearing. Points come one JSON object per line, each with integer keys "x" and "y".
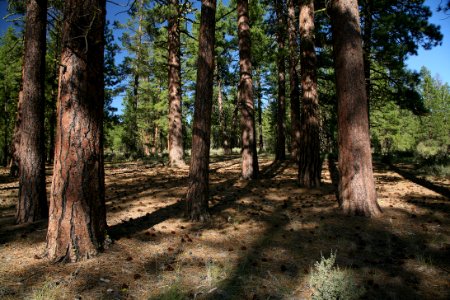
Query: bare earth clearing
{"x": 261, "y": 242}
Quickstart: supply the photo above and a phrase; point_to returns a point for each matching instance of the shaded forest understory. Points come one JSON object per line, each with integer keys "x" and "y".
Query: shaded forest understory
{"x": 261, "y": 243}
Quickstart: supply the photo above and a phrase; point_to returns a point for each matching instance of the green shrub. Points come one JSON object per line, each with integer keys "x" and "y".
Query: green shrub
{"x": 330, "y": 282}
{"x": 431, "y": 151}
{"x": 173, "y": 292}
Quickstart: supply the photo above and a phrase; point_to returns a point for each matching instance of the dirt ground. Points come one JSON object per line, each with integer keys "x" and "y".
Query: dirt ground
{"x": 261, "y": 243}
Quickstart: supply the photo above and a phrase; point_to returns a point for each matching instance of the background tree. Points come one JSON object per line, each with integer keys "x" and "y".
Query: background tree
{"x": 357, "y": 194}
{"x": 176, "y": 151}
{"x": 280, "y": 153}
{"x": 77, "y": 218}
{"x": 198, "y": 192}
{"x": 392, "y": 30}
{"x": 294, "y": 81}
{"x": 32, "y": 204}
{"x": 310, "y": 166}
{"x": 249, "y": 154}
{"x": 11, "y": 55}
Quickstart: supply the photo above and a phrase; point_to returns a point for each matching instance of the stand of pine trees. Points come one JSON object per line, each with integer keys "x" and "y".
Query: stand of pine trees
{"x": 214, "y": 75}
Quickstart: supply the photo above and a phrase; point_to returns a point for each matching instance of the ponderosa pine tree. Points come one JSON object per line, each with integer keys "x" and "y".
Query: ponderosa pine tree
{"x": 357, "y": 194}
{"x": 198, "y": 191}
{"x": 280, "y": 153}
{"x": 11, "y": 55}
{"x": 176, "y": 151}
{"x": 392, "y": 30}
{"x": 77, "y": 217}
{"x": 294, "y": 82}
{"x": 245, "y": 95}
{"x": 309, "y": 163}
{"x": 32, "y": 202}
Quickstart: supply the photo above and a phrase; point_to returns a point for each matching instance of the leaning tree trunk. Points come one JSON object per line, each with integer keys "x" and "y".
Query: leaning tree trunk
{"x": 198, "y": 192}
{"x": 280, "y": 153}
{"x": 357, "y": 194}
{"x": 77, "y": 221}
{"x": 294, "y": 82}
{"x": 310, "y": 168}
{"x": 176, "y": 151}
{"x": 32, "y": 204}
{"x": 249, "y": 154}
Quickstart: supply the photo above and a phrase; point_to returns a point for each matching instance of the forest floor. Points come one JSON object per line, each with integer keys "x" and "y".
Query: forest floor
{"x": 262, "y": 241}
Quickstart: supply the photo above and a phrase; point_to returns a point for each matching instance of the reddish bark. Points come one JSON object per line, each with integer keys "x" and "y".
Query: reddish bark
{"x": 280, "y": 153}
{"x": 294, "y": 82}
{"x": 357, "y": 194}
{"x": 176, "y": 152}
{"x": 32, "y": 204}
{"x": 77, "y": 221}
{"x": 198, "y": 191}
{"x": 309, "y": 163}
{"x": 245, "y": 95}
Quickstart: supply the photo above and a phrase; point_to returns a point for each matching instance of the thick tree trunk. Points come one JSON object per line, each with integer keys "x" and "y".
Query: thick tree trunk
{"x": 176, "y": 152}
{"x": 294, "y": 82}
{"x": 198, "y": 192}
{"x": 77, "y": 221}
{"x": 310, "y": 168}
{"x": 280, "y": 153}
{"x": 357, "y": 194}
{"x": 32, "y": 204}
{"x": 249, "y": 154}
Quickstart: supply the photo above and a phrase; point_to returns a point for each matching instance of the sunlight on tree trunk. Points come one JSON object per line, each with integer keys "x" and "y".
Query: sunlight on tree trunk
{"x": 357, "y": 194}
{"x": 77, "y": 221}
{"x": 176, "y": 151}
{"x": 245, "y": 94}
{"x": 309, "y": 163}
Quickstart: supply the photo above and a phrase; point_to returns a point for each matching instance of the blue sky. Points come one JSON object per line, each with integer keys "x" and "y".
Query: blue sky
{"x": 437, "y": 60}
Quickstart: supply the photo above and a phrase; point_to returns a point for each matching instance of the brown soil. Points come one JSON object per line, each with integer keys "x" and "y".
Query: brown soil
{"x": 261, "y": 243}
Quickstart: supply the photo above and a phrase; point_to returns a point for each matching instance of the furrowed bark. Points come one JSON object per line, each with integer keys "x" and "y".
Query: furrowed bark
{"x": 198, "y": 191}
{"x": 176, "y": 151}
{"x": 32, "y": 204}
{"x": 357, "y": 194}
{"x": 245, "y": 95}
{"x": 309, "y": 163}
{"x": 77, "y": 221}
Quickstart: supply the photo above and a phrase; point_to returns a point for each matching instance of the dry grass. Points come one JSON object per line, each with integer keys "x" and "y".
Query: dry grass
{"x": 261, "y": 243}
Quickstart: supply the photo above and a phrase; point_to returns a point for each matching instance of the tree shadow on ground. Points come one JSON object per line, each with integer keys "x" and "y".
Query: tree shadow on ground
{"x": 421, "y": 181}
{"x": 10, "y": 232}
{"x": 176, "y": 210}
{"x": 385, "y": 256}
